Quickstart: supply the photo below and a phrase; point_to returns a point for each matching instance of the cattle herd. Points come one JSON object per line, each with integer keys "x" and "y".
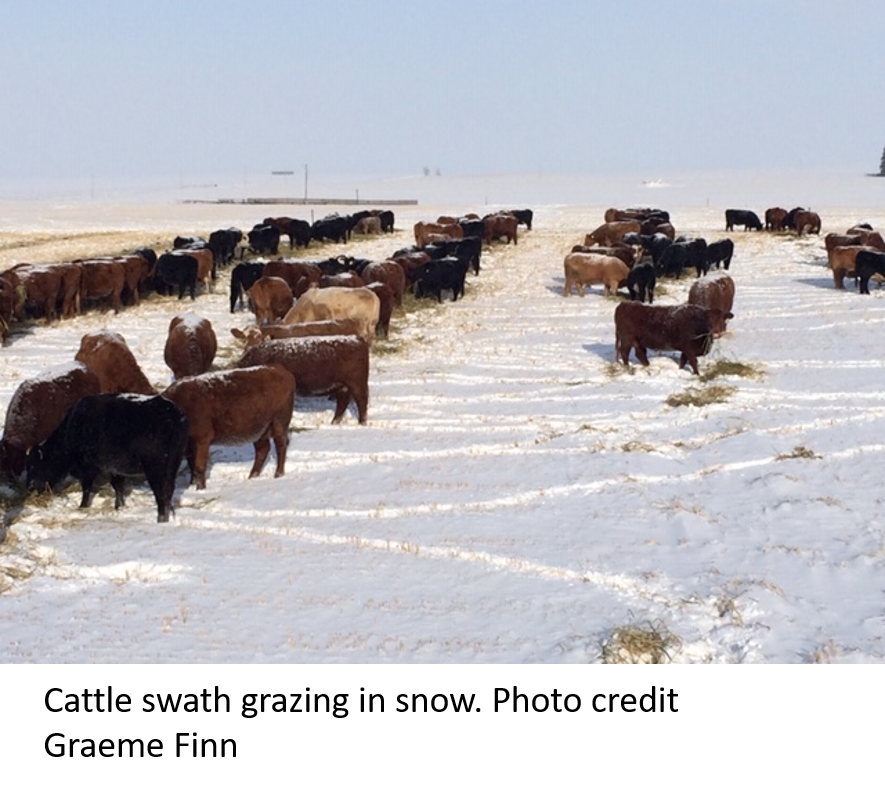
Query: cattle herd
{"x": 98, "y": 417}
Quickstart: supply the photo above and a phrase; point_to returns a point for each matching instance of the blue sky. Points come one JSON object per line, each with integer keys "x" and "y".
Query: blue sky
{"x": 193, "y": 89}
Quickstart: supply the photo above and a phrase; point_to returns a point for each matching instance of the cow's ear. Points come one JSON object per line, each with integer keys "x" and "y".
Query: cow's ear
{"x": 237, "y": 333}
{"x": 729, "y": 315}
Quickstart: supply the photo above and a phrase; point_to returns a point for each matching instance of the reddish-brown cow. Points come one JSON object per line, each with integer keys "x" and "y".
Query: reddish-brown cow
{"x": 232, "y": 407}
{"x": 715, "y": 292}
{"x": 106, "y": 354}
{"x": 190, "y": 345}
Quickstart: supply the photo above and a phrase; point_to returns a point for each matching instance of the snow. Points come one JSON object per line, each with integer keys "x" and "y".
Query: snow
{"x": 516, "y": 495}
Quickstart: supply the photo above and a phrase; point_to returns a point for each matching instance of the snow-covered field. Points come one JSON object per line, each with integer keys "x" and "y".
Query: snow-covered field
{"x": 516, "y": 495}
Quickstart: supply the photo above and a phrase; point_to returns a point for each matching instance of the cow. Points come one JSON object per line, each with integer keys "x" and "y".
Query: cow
{"x": 242, "y": 278}
{"x": 610, "y": 233}
{"x": 271, "y": 299}
{"x": 869, "y": 263}
{"x": 332, "y": 365}
{"x": 299, "y": 232}
{"x": 524, "y": 216}
{"x": 116, "y": 435}
{"x": 102, "y": 279}
{"x": 367, "y": 226}
{"x": 387, "y": 218}
{"x": 391, "y": 274}
{"x": 137, "y": 269}
{"x": 736, "y": 216}
{"x": 106, "y": 354}
{"x": 385, "y": 307}
{"x": 293, "y": 272}
{"x": 719, "y": 252}
{"x": 425, "y": 232}
{"x": 499, "y": 226}
{"x": 176, "y": 270}
{"x": 264, "y": 239}
{"x": 775, "y": 218}
{"x": 716, "y": 293}
{"x": 685, "y": 328}
{"x": 681, "y": 255}
{"x": 333, "y": 228}
{"x": 190, "y": 345}
{"x": 233, "y": 407}
{"x": 318, "y": 304}
{"x": 468, "y": 249}
{"x": 36, "y": 285}
{"x": 806, "y": 222}
{"x": 223, "y": 243}
{"x": 641, "y": 214}
{"x": 641, "y": 283}
{"x": 206, "y": 273}
{"x": 582, "y": 269}
{"x": 36, "y": 409}
{"x": 626, "y": 252}
{"x": 441, "y": 274}
{"x": 180, "y": 242}
{"x": 253, "y": 335}
{"x": 844, "y": 263}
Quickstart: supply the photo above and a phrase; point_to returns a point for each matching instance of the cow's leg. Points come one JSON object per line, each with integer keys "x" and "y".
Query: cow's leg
{"x": 691, "y": 359}
{"x": 640, "y": 353}
{"x": 118, "y": 484}
{"x": 342, "y": 400}
{"x": 87, "y": 481}
{"x": 200, "y": 463}
{"x": 280, "y": 443}
{"x": 159, "y": 483}
{"x": 262, "y": 448}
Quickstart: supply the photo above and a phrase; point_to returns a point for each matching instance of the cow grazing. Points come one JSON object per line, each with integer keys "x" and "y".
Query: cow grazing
{"x": 736, "y": 216}
{"x": 120, "y": 436}
{"x": 386, "y": 301}
{"x": 806, "y": 222}
{"x": 524, "y": 216}
{"x": 775, "y": 218}
{"x": 253, "y": 335}
{"x": 293, "y": 272}
{"x": 685, "y": 328}
{"x": 681, "y": 255}
{"x": 610, "y": 233}
{"x": 233, "y": 407}
{"x": 223, "y": 243}
{"x": 176, "y": 270}
{"x": 842, "y": 260}
{"x": 320, "y": 304}
{"x": 719, "y": 253}
{"x": 37, "y": 408}
{"x": 500, "y": 226}
{"x": 106, "y": 354}
{"x": 583, "y": 269}
{"x": 641, "y": 283}
{"x": 332, "y": 228}
{"x": 442, "y": 274}
{"x": 425, "y": 232}
{"x": 264, "y": 239}
{"x": 869, "y": 263}
{"x": 190, "y": 345}
{"x": 716, "y": 293}
{"x": 391, "y": 274}
{"x": 334, "y": 365}
{"x": 271, "y": 299}
{"x": 242, "y": 278}
{"x": 7, "y": 300}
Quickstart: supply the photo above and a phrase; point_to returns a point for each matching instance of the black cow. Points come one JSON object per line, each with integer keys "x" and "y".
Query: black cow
{"x": 641, "y": 283}
{"x": 176, "y": 270}
{"x": 116, "y": 435}
{"x": 223, "y": 243}
{"x": 719, "y": 252}
{"x": 524, "y": 216}
{"x": 387, "y": 219}
{"x": 299, "y": 233}
{"x": 737, "y": 216}
{"x": 866, "y": 264}
{"x": 444, "y": 274}
{"x": 331, "y": 228}
{"x": 473, "y": 228}
{"x": 681, "y": 255}
{"x": 242, "y": 278}
{"x": 180, "y": 242}
{"x": 468, "y": 250}
{"x": 264, "y": 240}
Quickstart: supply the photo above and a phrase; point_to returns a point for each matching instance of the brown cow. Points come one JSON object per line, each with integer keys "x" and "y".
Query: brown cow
{"x": 386, "y": 301}
{"x": 583, "y": 268}
{"x": 37, "y": 408}
{"x": 102, "y": 278}
{"x": 232, "y": 407}
{"x": 806, "y": 222}
{"x": 40, "y": 286}
{"x": 391, "y": 274}
{"x": 271, "y": 299}
{"x": 715, "y": 292}
{"x": 106, "y": 354}
{"x": 293, "y": 272}
{"x": 253, "y": 335}
{"x": 367, "y": 226}
{"x": 775, "y": 218}
{"x": 627, "y": 253}
{"x": 842, "y": 260}
{"x": 685, "y": 328}
{"x": 423, "y": 230}
{"x": 500, "y": 226}
{"x": 610, "y": 233}
{"x": 336, "y": 365}
{"x": 190, "y": 345}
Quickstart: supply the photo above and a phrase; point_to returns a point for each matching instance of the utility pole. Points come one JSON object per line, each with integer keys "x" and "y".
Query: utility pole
{"x": 305, "y": 183}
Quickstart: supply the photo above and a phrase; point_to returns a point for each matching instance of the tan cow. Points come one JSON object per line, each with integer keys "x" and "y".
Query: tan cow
{"x": 271, "y": 299}
{"x": 585, "y": 268}
{"x": 320, "y": 304}
{"x": 425, "y": 229}
{"x": 842, "y": 259}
